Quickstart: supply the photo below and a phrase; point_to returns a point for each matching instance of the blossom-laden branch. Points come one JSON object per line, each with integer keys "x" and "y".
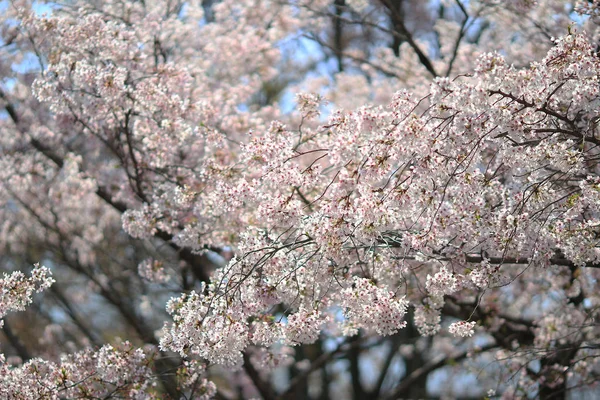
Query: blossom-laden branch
{"x": 465, "y": 205}
{"x": 403, "y": 192}
{"x": 16, "y": 290}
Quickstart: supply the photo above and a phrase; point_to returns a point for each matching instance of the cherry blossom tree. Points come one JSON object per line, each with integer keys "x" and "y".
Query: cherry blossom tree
{"x": 300, "y": 199}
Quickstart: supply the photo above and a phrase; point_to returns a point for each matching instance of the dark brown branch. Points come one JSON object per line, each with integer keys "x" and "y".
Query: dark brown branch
{"x": 264, "y": 388}
{"x": 401, "y": 34}
{"x": 74, "y": 316}
{"x": 513, "y": 260}
{"x": 15, "y": 342}
{"x": 338, "y": 33}
{"x": 461, "y": 35}
{"x": 396, "y": 342}
{"x": 320, "y": 362}
{"x": 431, "y": 366}
{"x": 358, "y": 393}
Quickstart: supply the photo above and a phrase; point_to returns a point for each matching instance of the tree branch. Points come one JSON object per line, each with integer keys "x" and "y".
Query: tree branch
{"x": 265, "y": 390}
{"x": 15, "y": 342}
{"x": 431, "y": 366}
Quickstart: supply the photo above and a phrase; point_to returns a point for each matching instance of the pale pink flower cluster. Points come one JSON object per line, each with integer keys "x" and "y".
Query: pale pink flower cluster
{"x": 266, "y": 333}
{"x": 274, "y": 357}
{"x": 218, "y": 337}
{"x": 481, "y": 275}
{"x": 153, "y": 271}
{"x": 442, "y": 283}
{"x": 304, "y": 327}
{"x": 124, "y": 370}
{"x": 462, "y": 328}
{"x": 372, "y": 308}
{"x": 333, "y": 213}
{"x": 428, "y": 318}
{"x": 139, "y": 223}
{"x": 191, "y": 374}
{"x": 308, "y": 104}
{"x": 16, "y": 290}
{"x": 424, "y": 197}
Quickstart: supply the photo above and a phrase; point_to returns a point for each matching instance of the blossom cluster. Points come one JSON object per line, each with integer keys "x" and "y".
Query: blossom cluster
{"x": 16, "y": 290}
{"x": 457, "y": 187}
{"x": 423, "y": 186}
{"x": 124, "y": 370}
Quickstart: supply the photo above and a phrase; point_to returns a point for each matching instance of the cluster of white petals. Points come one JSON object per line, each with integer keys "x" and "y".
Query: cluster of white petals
{"x": 16, "y": 289}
